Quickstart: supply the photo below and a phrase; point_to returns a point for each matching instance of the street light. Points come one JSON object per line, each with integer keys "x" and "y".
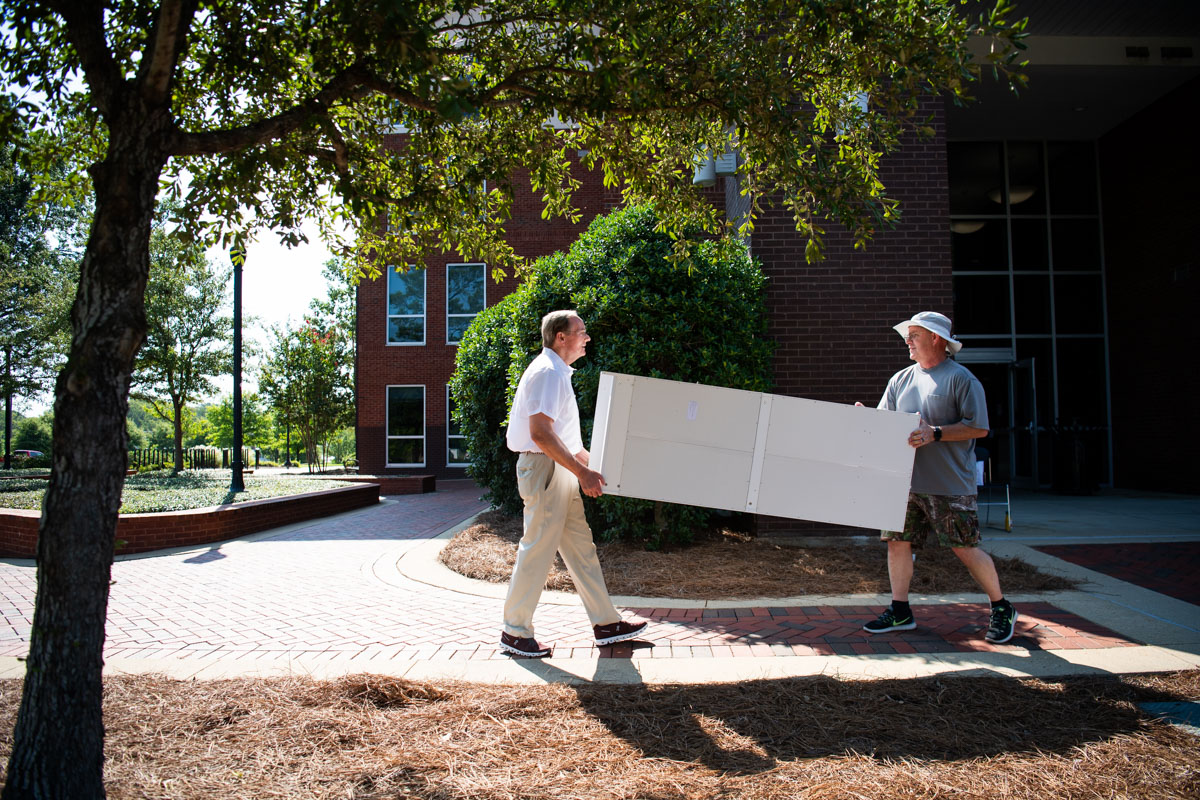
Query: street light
{"x": 238, "y": 257}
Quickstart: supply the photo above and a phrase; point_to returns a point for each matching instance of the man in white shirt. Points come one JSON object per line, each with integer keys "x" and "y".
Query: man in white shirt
{"x": 552, "y": 468}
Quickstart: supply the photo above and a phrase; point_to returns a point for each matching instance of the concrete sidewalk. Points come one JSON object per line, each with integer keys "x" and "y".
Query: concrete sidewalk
{"x": 363, "y": 592}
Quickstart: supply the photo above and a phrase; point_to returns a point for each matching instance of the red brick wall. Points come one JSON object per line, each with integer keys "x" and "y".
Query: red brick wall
{"x": 145, "y": 532}
{"x": 18, "y": 533}
{"x": 832, "y": 320}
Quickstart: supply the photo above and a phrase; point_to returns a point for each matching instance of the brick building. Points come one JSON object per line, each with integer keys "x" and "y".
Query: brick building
{"x": 408, "y": 329}
{"x": 1058, "y": 229}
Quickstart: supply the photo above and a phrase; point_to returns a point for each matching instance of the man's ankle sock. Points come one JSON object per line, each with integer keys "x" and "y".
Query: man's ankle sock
{"x": 1001, "y": 603}
{"x": 901, "y": 610}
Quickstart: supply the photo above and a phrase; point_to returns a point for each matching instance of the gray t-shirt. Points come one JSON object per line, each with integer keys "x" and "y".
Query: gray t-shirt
{"x": 944, "y": 395}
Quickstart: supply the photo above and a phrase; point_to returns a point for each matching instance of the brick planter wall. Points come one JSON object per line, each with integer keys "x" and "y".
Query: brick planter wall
{"x": 144, "y": 532}
{"x": 390, "y": 484}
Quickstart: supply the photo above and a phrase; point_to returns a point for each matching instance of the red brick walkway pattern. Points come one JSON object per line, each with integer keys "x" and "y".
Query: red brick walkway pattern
{"x": 837, "y": 630}
{"x": 1169, "y": 568}
{"x": 330, "y": 589}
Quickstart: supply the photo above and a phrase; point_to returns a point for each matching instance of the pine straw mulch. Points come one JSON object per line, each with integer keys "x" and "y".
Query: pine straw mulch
{"x": 371, "y": 737}
{"x": 724, "y": 564}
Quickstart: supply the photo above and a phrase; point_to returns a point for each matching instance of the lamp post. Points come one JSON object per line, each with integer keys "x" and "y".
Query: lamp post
{"x": 238, "y": 257}
{"x": 287, "y": 454}
{"x": 7, "y": 406}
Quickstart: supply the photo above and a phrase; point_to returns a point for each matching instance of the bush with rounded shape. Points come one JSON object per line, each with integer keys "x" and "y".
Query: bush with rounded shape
{"x": 482, "y": 396}
{"x": 34, "y": 433}
{"x": 701, "y": 323}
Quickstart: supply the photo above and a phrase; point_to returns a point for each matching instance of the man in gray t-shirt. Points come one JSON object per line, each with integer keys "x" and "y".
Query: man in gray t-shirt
{"x": 942, "y": 498}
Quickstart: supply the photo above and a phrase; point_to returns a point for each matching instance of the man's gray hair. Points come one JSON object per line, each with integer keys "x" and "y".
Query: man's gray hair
{"x": 553, "y": 324}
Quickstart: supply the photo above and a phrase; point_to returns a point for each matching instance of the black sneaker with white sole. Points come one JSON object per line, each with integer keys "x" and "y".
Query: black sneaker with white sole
{"x": 1003, "y": 622}
{"x": 888, "y": 622}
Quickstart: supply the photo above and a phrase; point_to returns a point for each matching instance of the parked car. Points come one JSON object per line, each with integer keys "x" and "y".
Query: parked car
{"x": 24, "y": 454}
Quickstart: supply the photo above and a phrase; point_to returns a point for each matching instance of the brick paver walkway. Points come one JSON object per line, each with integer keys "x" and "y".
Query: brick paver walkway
{"x": 330, "y": 588}
{"x": 1170, "y": 568}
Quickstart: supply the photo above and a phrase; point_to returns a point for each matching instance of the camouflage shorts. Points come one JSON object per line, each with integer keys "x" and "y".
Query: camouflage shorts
{"x": 954, "y": 519}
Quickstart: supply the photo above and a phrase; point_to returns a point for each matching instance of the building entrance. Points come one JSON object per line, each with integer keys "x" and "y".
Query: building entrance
{"x": 1014, "y": 445}
{"x": 1028, "y": 271}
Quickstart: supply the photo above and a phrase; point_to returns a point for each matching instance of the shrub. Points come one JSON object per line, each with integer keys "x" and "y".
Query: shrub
{"x": 43, "y": 462}
{"x": 705, "y": 323}
{"x": 482, "y": 395}
{"x": 34, "y": 433}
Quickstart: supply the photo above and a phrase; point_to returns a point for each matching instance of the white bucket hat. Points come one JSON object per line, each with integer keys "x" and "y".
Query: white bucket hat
{"x": 935, "y": 323}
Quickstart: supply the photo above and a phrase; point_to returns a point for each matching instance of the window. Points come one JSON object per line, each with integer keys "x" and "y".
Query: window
{"x": 406, "y": 426}
{"x": 465, "y": 297}
{"x": 406, "y": 306}
{"x": 456, "y": 443}
{"x": 1028, "y": 270}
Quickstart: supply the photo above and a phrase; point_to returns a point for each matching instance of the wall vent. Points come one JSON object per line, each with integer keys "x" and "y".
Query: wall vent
{"x": 1176, "y": 52}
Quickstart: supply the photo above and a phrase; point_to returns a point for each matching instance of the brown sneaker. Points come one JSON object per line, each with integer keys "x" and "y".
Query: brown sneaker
{"x": 617, "y": 632}
{"x": 525, "y": 647}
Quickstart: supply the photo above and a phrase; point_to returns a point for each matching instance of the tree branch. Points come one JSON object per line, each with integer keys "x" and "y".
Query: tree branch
{"x": 353, "y": 83}
{"x": 85, "y": 29}
{"x": 166, "y": 42}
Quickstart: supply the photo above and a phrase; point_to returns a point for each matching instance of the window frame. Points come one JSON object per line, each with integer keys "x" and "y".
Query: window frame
{"x": 424, "y": 315}
{"x": 449, "y": 436}
{"x": 483, "y": 275}
{"x": 387, "y": 425}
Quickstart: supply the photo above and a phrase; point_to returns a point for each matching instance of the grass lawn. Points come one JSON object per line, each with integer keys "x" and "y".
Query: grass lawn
{"x": 372, "y": 737}
{"x": 162, "y": 491}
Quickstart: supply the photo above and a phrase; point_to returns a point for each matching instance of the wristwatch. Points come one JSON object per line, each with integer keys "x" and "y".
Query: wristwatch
{"x": 937, "y": 433}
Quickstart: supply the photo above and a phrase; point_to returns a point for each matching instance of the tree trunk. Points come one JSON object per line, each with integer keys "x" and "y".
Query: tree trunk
{"x": 310, "y": 448}
{"x": 58, "y": 742}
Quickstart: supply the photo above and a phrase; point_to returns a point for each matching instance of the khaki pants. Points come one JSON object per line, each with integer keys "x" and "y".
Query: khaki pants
{"x": 554, "y": 522}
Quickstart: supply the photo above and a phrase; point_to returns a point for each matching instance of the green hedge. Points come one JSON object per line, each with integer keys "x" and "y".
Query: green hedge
{"x": 646, "y": 316}
{"x": 163, "y": 490}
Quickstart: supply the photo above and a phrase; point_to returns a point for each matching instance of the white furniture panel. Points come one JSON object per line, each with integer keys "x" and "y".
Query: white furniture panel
{"x": 673, "y": 411}
{"x": 726, "y": 448}
{"x": 685, "y": 473}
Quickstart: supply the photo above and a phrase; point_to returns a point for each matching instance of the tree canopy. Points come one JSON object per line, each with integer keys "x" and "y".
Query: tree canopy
{"x": 187, "y": 334}
{"x": 308, "y": 374}
{"x": 39, "y": 251}
{"x": 269, "y": 112}
{"x": 256, "y": 114}
{"x": 308, "y": 380}
{"x": 257, "y": 425}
